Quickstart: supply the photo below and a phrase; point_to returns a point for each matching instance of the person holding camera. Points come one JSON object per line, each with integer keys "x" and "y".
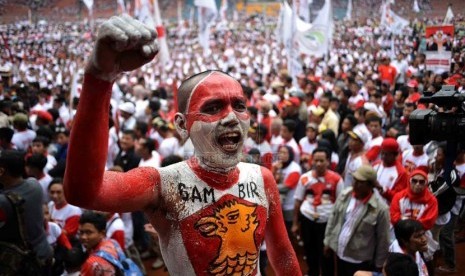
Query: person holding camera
{"x": 449, "y": 205}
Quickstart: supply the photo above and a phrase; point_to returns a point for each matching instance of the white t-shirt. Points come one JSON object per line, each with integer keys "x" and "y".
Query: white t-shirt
{"x": 411, "y": 161}
{"x": 44, "y": 182}
{"x": 51, "y": 163}
{"x": 168, "y": 146}
{"x": 23, "y": 139}
{"x": 306, "y": 146}
{"x": 350, "y": 168}
{"x": 53, "y": 232}
{"x": 153, "y": 162}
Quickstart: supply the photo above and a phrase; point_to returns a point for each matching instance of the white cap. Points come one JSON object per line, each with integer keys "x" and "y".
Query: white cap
{"x": 127, "y": 107}
{"x": 357, "y": 134}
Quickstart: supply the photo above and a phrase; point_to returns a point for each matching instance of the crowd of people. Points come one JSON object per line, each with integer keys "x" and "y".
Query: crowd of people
{"x": 335, "y": 137}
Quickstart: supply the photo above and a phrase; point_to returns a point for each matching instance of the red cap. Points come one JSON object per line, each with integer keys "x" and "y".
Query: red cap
{"x": 420, "y": 172}
{"x": 359, "y": 104}
{"x": 314, "y": 79}
{"x": 45, "y": 115}
{"x": 412, "y": 83}
{"x": 293, "y": 101}
{"x": 390, "y": 145}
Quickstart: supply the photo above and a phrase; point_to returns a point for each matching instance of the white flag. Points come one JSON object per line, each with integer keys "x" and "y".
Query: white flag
{"x": 449, "y": 15}
{"x": 391, "y": 21}
{"x": 121, "y": 7}
{"x": 416, "y": 8}
{"x": 207, "y": 13}
{"x": 317, "y": 40}
{"x": 164, "y": 53}
{"x": 284, "y": 27}
{"x": 294, "y": 65}
{"x": 143, "y": 11}
{"x": 223, "y": 10}
{"x": 89, "y": 4}
{"x": 349, "y": 10}
{"x": 304, "y": 10}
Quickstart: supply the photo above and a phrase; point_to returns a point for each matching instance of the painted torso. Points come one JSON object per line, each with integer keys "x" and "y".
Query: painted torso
{"x": 219, "y": 230}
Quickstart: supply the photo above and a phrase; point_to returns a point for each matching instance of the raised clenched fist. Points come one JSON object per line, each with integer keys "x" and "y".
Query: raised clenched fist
{"x": 123, "y": 44}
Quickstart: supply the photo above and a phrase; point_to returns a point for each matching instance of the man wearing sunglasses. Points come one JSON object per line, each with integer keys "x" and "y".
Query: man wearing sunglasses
{"x": 417, "y": 202}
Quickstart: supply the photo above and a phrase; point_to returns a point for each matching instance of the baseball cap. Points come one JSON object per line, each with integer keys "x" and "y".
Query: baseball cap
{"x": 390, "y": 145}
{"x": 45, "y": 115}
{"x": 297, "y": 92}
{"x": 292, "y": 101}
{"x": 127, "y": 107}
{"x": 277, "y": 84}
{"x": 20, "y": 117}
{"x": 365, "y": 173}
{"x": 312, "y": 125}
{"x": 357, "y": 134}
{"x": 412, "y": 84}
{"x": 258, "y": 127}
{"x": 318, "y": 111}
{"x": 420, "y": 172}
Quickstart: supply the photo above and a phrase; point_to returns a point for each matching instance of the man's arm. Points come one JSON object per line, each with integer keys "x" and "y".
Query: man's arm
{"x": 279, "y": 249}
{"x": 382, "y": 235}
{"x": 123, "y": 44}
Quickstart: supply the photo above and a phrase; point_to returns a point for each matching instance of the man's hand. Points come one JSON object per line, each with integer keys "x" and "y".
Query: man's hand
{"x": 295, "y": 229}
{"x": 327, "y": 251}
{"x": 123, "y": 44}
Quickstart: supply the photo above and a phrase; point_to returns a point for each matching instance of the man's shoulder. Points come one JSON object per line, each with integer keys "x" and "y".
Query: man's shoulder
{"x": 28, "y": 186}
{"x": 378, "y": 203}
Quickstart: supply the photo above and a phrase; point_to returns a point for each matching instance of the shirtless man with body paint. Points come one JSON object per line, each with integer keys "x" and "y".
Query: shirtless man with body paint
{"x": 211, "y": 212}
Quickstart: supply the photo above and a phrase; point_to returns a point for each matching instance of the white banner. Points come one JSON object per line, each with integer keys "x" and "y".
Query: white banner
{"x": 439, "y": 41}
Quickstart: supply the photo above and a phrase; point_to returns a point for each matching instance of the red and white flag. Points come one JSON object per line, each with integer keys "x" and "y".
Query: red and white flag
{"x": 164, "y": 53}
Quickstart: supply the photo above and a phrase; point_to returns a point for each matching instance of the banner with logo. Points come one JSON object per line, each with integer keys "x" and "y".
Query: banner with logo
{"x": 439, "y": 41}
{"x": 316, "y": 40}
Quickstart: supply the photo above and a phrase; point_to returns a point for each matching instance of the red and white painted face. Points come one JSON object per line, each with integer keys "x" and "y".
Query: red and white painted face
{"x": 217, "y": 121}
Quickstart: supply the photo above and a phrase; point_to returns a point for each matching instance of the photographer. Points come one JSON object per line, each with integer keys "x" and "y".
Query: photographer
{"x": 449, "y": 206}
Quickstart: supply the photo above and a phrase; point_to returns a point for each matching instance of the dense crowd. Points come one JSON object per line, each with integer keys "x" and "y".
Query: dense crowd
{"x": 346, "y": 111}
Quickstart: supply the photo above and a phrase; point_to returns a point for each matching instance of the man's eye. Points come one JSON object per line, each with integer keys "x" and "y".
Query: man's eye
{"x": 211, "y": 109}
{"x": 240, "y": 106}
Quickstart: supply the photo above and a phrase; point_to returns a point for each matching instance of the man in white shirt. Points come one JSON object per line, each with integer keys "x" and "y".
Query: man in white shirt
{"x": 145, "y": 148}
{"x": 23, "y": 136}
{"x": 401, "y": 66}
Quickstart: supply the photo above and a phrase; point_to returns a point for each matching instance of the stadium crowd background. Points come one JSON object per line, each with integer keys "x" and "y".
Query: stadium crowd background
{"x": 42, "y": 68}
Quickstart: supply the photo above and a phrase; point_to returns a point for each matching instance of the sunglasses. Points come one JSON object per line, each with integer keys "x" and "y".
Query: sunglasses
{"x": 419, "y": 181}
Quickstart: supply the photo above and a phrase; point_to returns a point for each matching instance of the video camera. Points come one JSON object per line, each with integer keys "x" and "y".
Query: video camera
{"x": 427, "y": 124}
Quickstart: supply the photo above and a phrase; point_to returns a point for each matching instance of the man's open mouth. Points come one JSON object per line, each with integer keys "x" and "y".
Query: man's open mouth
{"x": 229, "y": 141}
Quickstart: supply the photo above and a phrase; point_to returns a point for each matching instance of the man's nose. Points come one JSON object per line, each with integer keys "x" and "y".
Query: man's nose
{"x": 230, "y": 120}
